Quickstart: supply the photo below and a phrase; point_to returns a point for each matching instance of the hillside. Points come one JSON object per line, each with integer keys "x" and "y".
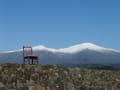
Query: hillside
{"x": 85, "y": 53}
{"x": 52, "y": 77}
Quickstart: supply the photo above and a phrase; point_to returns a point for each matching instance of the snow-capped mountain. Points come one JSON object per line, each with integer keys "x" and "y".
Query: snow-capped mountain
{"x": 86, "y": 53}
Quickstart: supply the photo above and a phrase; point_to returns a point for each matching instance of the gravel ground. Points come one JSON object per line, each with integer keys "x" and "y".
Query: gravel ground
{"x": 52, "y": 77}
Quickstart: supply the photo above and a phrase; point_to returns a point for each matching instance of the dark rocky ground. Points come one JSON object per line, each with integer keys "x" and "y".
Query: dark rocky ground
{"x": 51, "y": 77}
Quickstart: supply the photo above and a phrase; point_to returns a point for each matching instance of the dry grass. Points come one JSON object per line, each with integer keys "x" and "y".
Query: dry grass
{"x": 51, "y": 77}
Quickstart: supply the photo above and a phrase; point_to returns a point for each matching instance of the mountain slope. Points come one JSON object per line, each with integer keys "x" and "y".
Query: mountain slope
{"x": 86, "y": 53}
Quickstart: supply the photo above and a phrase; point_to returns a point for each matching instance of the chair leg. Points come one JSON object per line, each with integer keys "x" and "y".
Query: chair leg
{"x": 37, "y": 61}
{"x": 32, "y": 61}
{"x": 28, "y": 61}
{"x": 23, "y": 61}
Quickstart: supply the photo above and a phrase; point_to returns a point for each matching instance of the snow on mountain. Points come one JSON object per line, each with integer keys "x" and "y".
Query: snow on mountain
{"x": 75, "y": 48}
{"x": 86, "y": 53}
{"x": 81, "y": 47}
{"x": 41, "y": 47}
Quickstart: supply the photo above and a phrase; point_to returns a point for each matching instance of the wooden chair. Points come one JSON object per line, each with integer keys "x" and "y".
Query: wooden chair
{"x": 28, "y": 56}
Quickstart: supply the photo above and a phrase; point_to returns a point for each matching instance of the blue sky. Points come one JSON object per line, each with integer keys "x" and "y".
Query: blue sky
{"x": 59, "y": 23}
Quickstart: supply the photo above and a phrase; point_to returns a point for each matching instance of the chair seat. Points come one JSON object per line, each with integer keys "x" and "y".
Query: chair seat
{"x": 31, "y": 57}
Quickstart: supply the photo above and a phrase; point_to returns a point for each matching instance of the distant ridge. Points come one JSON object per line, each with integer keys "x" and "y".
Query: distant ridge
{"x": 85, "y": 53}
{"x": 75, "y": 48}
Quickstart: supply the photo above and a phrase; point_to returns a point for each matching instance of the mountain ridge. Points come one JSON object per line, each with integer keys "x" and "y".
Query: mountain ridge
{"x": 85, "y": 53}
{"x": 71, "y": 49}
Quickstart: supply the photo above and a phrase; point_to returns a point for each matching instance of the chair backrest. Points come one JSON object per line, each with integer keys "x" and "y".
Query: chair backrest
{"x": 27, "y": 50}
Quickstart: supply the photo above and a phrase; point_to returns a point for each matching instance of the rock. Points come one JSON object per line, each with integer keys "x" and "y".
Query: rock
{"x": 2, "y": 86}
{"x": 30, "y": 83}
{"x": 70, "y": 86}
{"x": 31, "y": 87}
{"x": 19, "y": 84}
